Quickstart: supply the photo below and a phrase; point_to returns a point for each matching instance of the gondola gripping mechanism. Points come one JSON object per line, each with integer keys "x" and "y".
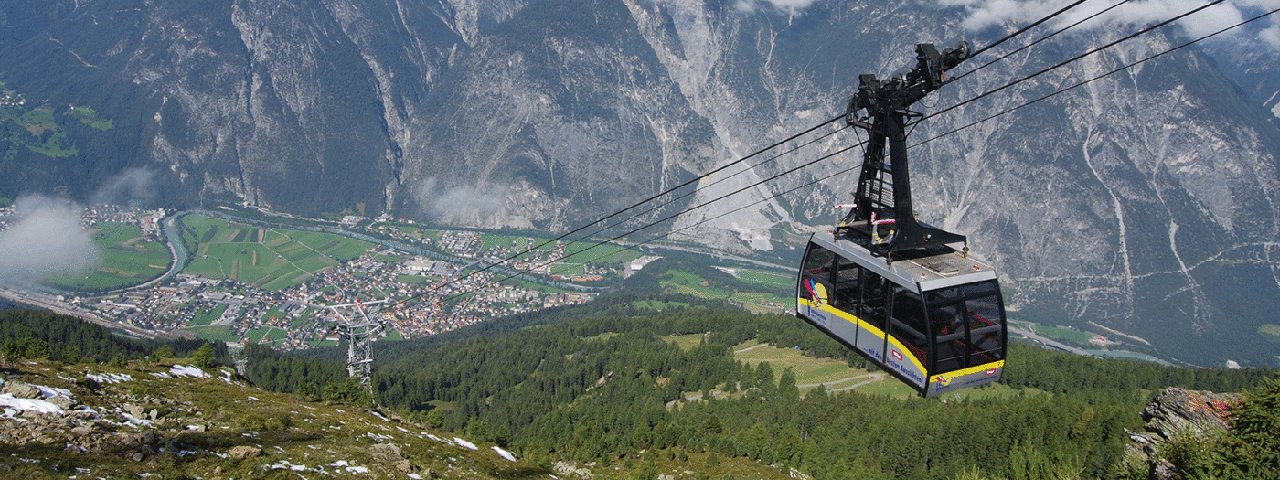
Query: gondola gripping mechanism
{"x": 886, "y": 103}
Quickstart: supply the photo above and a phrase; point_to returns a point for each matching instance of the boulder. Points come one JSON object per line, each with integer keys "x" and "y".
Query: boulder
{"x": 64, "y": 402}
{"x": 385, "y": 452}
{"x": 20, "y": 389}
{"x": 241, "y": 452}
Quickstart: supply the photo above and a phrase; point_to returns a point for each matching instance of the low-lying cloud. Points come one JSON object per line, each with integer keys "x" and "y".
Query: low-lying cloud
{"x": 462, "y": 203}
{"x": 132, "y": 185}
{"x": 45, "y": 239}
{"x": 981, "y": 14}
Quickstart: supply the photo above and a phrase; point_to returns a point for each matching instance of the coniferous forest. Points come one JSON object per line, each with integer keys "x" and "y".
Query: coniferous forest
{"x": 601, "y": 383}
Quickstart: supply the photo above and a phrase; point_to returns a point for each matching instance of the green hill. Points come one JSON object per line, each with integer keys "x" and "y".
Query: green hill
{"x": 617, "y": 385}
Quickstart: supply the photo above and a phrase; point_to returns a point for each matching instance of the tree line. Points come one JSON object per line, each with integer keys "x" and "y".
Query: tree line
{"x": 600, "y": 382}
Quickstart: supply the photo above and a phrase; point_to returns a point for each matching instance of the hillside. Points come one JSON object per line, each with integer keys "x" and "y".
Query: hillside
{"x": 178, "y": 421}
{"x": 676, "y": 381}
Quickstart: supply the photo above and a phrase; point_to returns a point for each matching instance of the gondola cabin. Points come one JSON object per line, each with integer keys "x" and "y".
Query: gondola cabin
{"x": 935, "y": 321}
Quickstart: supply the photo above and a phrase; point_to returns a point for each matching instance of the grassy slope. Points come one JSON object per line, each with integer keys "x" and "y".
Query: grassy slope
{"x": 288, "y": 428}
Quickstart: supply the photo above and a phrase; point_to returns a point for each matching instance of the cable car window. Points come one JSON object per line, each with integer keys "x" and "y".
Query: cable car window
{"x": 847, "y": 292}
{"x": 816, "y": 277}
{"x": 909, "y": 323}
{"x": 949, "y": 337}
{"x": 875, "y": 290}
{"x": 985, "y": 333}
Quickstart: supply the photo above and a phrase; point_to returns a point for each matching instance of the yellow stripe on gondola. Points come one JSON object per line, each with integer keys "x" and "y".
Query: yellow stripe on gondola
{"x": 851, "y": 318}
{"x": 968, "y": 371}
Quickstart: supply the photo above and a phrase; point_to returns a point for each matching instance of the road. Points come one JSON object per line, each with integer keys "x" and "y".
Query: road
{"x": 1025, "y": 333}
{"x": 55, "y": 306}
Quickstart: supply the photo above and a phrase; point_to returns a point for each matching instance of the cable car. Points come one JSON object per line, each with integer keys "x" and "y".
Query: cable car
{"x": 888, "y": 286}
{"x": 936, "y": 322}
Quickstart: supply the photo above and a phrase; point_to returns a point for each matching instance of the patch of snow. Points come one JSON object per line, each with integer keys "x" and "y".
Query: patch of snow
{"x": 49, "y": 392}
{"x": 252, "y": 398}
{"x": 464, "y": 443}
{"x": 379, "y": 415}
{"x": 415, "y": 476}
{"x": 160, "y": 375}
{"x": 42, "y": 406}
{"x": 135, "y": 421}
{"x": 402, "y": 430}
{"x": 187, "y": 371}
{"x": 105, "y": 378}
{"x": 339, "y": 463}
{"x": 358, "y": 470}
{"x": 504, "y": 454}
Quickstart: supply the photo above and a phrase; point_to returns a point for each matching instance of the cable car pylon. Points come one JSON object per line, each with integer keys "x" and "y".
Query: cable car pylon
{"x": 360, "y": 331}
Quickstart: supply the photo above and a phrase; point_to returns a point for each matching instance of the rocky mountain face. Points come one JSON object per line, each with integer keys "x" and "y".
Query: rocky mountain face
{"x": 1145, "y": 202}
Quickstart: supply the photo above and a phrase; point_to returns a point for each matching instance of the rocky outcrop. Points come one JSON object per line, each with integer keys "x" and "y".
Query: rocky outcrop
{"x": 1174, "y": 413}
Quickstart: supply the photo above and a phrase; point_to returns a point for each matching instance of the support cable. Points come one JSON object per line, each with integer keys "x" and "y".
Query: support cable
{"x": 1041, "y": 39}
{"x": 709, "y": 185}
{"x": 624, "y": 210}
{"x": 1072, "y": 59}
{"x": 676, "y": 215}
{"x": 1091, "y": 80}
{"x": 1020, "y": 31}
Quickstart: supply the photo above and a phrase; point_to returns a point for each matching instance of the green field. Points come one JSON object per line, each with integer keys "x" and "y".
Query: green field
{"x": 685, "y": 342}
{"x": 754, "y": 297}
{"x": 207, "y": 317}
{"x": 811, "y": 371}
{"x": 1063, "y": 334}
{"x": 217, "y": 333}
{"x": 91, "y": 118}
{"x": 1270, "y": 332}
{"x": 273, "y": 259}
{"x": 411, "y": 279}
{"x": 266, "y": 334}
{"x": 836, "y": 375}
{"x": 772, "y": 282}
{"x": 126, "y": 258}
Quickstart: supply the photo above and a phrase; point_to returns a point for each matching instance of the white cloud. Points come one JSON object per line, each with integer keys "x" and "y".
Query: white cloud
{"x": 747, "y": 6}
{"x": 134, "y": 184}
{"x": 46, "y": 239}
{"x": 462, "y": 203}
{"x": 981, "y": 14}
{"x": 1271, "y": 36}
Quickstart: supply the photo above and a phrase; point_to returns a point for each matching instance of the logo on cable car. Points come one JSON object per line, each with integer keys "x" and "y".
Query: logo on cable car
{"x": 896, "y": 354}
{"x": 942, "y": 380}
{"x": 817, "y": 291}
{"x": 990, "y": 372}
